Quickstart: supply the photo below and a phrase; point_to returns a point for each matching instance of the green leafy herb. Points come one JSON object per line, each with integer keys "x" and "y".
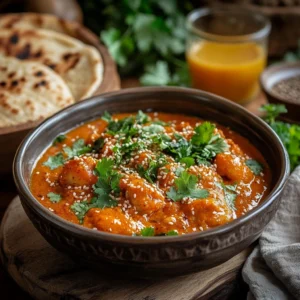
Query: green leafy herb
{"x": 77, "y": 149}
{"x": 54, "y": 198}
{"x": 203, "y": 134}
{"x": 273, "y": 111}
{"x": 254, "y": 166}
{"x": 80, "y": 209}
{"x": 288, "y": 133}
{"x": 150, "y": 172}
{"x": 140, "y": 33}
{"x": 188, "y": 161}
{"x": 230, "y": 194}
{"x": 107, "y": 184}
{"x": 186, "y": 186}
{"x": 55, "y": 161}
{"x": 142, "y": 118}
{"x": 172, "y": 232}
{"x": 147, "y": 231}
{"x": 203, "y": 147}
{"x": 59, "y": 139}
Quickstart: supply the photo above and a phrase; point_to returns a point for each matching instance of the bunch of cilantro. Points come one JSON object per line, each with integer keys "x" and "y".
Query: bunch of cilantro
{"x": 145, "y": 37}
{"x": 288, "y": 133}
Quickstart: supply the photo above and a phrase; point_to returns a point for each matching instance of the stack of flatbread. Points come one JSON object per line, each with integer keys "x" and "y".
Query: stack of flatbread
{"x": 42, "y": 68}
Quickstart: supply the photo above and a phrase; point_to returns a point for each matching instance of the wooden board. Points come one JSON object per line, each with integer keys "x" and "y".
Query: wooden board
{"x": 45, "y": 273}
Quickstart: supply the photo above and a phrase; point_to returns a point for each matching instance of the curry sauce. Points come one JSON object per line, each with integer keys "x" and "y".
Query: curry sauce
{"x": 150, "y": 174}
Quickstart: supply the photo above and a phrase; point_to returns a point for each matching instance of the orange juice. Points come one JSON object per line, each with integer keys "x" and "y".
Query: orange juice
{"x": 228, "y": 70}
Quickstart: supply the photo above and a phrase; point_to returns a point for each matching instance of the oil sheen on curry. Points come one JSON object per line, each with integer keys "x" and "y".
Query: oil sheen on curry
{"x": 150, "y": 174}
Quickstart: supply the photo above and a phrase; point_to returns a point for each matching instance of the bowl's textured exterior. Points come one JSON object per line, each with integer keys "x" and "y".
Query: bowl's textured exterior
{"x": 153, "y": 256}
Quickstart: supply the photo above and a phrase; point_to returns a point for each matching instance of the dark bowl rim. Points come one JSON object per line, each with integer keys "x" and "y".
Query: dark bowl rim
{"x": 269, "y": 71}
{"x": 80, "y": 230}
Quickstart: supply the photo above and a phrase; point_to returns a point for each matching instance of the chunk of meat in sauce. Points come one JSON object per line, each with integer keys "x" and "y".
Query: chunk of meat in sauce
{"x": 206, "y": 213}
{"x": 78, "y": 172}
{"x": 233, "y": 168}
{"x": 141, "y": 194}
{"x": 109, "y": 220}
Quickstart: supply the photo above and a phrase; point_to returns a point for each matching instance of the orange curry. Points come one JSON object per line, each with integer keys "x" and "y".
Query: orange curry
{"x": 150, "y": 174}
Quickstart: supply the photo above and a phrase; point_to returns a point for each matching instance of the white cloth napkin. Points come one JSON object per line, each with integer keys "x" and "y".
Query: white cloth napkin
{"x": 272, "y": 271}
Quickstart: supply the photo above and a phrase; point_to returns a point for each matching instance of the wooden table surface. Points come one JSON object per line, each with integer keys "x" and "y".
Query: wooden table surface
{"x": 8, "y": 288}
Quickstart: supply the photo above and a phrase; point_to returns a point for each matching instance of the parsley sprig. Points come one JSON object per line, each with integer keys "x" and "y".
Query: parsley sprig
{"x": 144, "y": 37}
{"x": 203, "y": 146}
{"x": 288, "y": 133}
{"x": 186, "y": 187}
{"x": 78, "y": 148}
{"x": 106, "y": 186}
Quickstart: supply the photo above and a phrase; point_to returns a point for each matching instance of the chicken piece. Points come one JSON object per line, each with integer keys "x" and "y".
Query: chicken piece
{"x": 78, "y": 172}
{"x": 207, "y": 213}
{"x": 166, "y": 175}
{"x": 142, "y": 159}
{"x": 234, "y": 148}
{"x": 143, "y": 196}
{"x": 110, "y": 220}
{"x": 233, "y": 167}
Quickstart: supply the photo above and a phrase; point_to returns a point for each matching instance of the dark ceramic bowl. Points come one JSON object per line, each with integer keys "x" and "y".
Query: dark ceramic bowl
{"x": 274, "y": 74}
{"x": 153, "y": 256}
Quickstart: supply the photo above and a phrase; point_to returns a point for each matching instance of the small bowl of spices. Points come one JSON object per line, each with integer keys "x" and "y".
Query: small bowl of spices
{"x": 281, "y": 84}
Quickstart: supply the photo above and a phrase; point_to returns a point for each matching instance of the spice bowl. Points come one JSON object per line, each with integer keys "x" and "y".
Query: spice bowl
{"x": 281, "y": 84}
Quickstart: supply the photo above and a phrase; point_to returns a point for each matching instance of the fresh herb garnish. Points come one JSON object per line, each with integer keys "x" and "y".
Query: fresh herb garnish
{"x": 288, "y": 133}
{"x": 55, "y": 161}
{"x": 172, "y": 232}
{"x": 203, "y": 147}
{"x": 254, "y": 166}
{"x": 229, "y": 193}
{"x": 77, "y": 149}
{"x": 53, "y": 197}
{"x": 107, "y": 184}
{"x": 150, "y": 172}
{"x": 147, "y": 231}
{"x": 80, "y": 209}
{"x": 59, "y": 139}
{"x": 186, "y": 187}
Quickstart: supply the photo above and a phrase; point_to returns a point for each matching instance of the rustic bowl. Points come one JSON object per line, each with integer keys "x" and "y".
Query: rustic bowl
{"x": 153, "y": 256}
{"x": 12, "y": 136}
{"x": 275, "y": 74}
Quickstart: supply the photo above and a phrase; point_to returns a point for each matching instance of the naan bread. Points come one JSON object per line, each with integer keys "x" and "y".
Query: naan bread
{"x": 29, "y": 91}
{"x": 38, "y": 21}
{"x": 78, "y": 64}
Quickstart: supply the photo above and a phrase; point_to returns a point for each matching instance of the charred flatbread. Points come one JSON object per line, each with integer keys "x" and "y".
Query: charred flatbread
{"x": 29, "y": 91}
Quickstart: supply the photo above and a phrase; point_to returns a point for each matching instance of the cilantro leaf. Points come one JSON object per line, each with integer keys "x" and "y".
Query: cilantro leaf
{"x": 150, "y": 172}
{"x": 203, "y": 134}
{"x": 54, "y": 161}
{"x": 53, "y": 197}
{"x": 107, "y": 117}
{"x": 59, "y": 139}
{"x": 272, "y": 111}
{"x": 172, "y": 232}
{"x": 78, "y": 148}
{"x": 230, "y": 194}
{"x": 188, "y": 161}
{"x": 147, "y": 231}
{"x": 254, "y": 166}
{"x": 80, "y": 209}
{"x": 142, "y": 118}
{"x": 186, "y": 186}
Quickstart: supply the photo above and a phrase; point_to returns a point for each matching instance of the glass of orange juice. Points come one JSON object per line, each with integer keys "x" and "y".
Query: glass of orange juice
{"x": 226, "y": 51}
